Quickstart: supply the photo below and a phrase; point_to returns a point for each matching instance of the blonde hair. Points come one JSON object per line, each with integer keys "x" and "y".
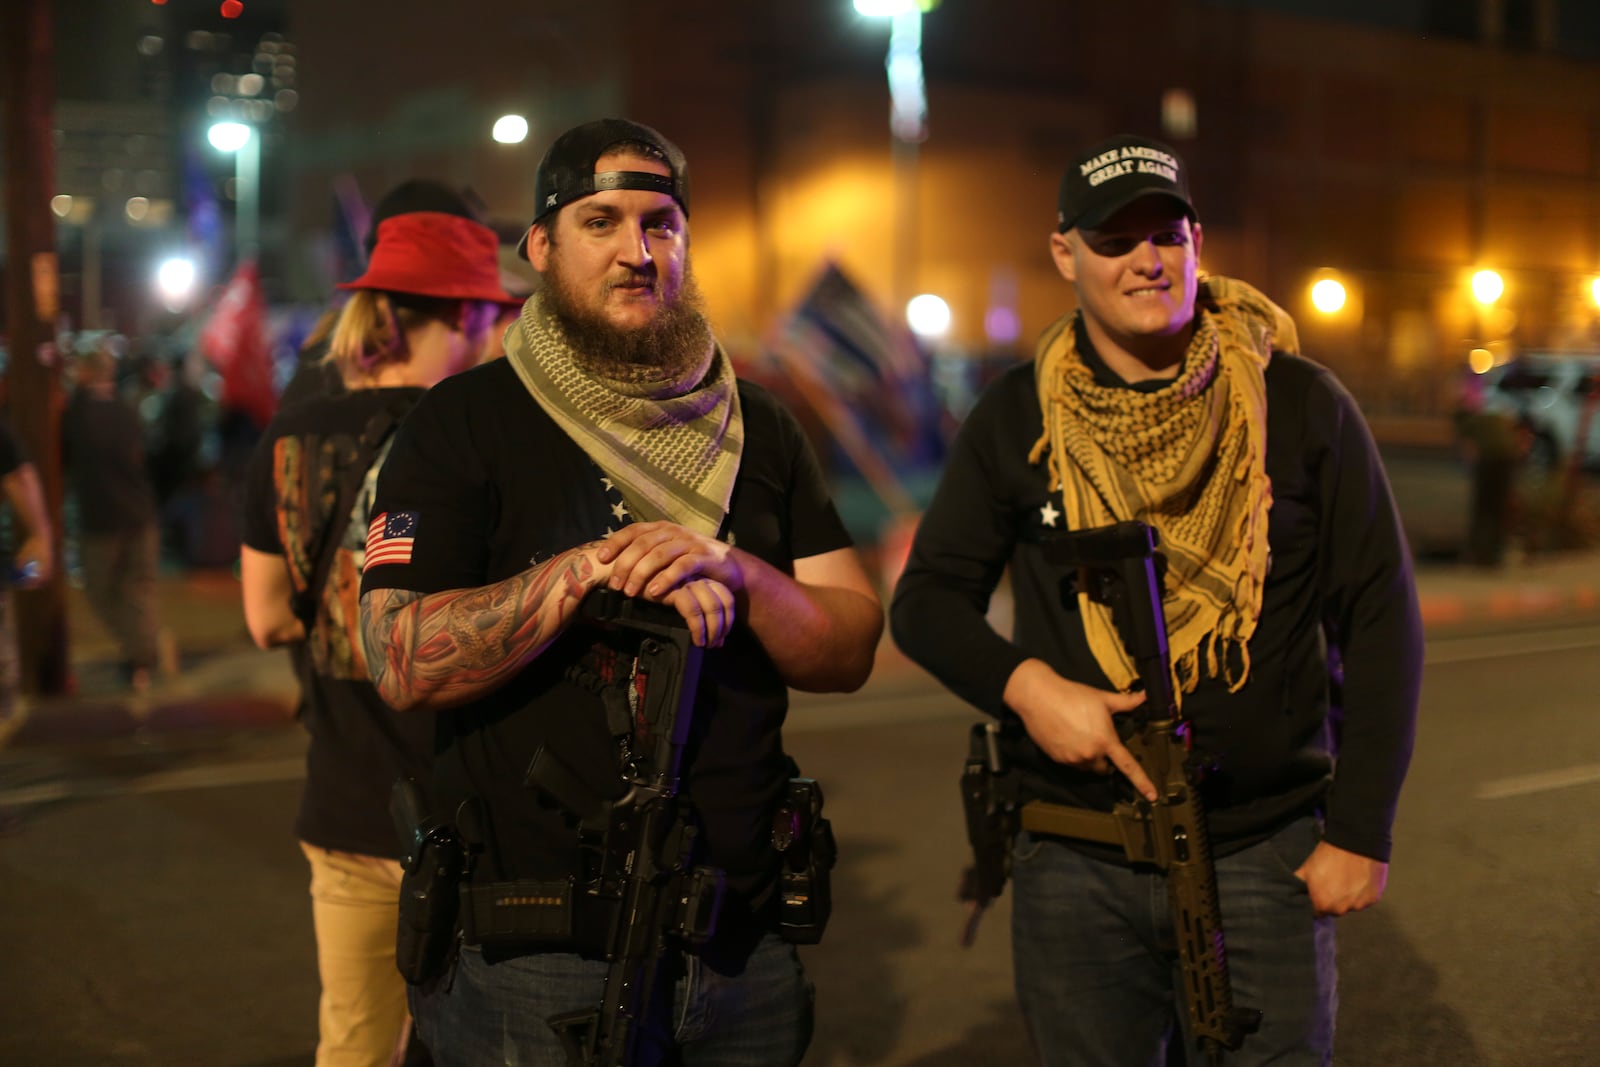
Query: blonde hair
{"x": 372, "y": 326}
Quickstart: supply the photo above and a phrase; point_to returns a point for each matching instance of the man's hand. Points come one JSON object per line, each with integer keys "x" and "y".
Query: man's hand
{"x": 651, "y": 559}
{"x": 706, "y": 606}
{"x": 1071, "y": 723}
{"x": 1341, "y": 882}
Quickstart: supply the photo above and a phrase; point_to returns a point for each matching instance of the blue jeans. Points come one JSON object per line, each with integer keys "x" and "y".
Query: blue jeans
{"x": 496, "y": 1013}
{"x": 1097, "y": 986}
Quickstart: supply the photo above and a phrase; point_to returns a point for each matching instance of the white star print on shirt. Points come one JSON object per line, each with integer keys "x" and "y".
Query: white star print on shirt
{"x": 619, "y": 510}
{"x": 1048, "y": 514}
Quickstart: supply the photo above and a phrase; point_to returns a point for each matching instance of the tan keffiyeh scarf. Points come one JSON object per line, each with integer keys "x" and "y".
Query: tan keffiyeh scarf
{"x": 1188, "y": 459}
{"x": 671, "y": 446}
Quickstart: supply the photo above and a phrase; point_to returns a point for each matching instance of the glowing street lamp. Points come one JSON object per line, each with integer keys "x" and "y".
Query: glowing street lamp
{"x": 928, "y": 315}
{"x": 243, "y": 142}
{"x": 510, "y": 129}
{"x": 908, "y": 120}
{"x": 1487, "y": 287}
{"x": 1594, "y": 291}
{"x": 175, "y": 279}
{"x": 885, "y": 8}
{"x": 1328, "y": 296}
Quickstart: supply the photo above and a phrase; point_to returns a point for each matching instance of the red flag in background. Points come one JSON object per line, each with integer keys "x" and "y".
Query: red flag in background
{"x": 235, "y": 341}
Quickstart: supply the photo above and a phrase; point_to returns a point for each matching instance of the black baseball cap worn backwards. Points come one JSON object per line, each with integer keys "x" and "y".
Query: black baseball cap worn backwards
{"x": 566, "y": 173}
{"x": 1115, "y": 173}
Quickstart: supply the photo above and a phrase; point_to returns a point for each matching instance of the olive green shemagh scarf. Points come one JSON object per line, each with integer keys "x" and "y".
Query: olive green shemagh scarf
{"x": 672, "y": 446}
{"x": 1189, "y": 459}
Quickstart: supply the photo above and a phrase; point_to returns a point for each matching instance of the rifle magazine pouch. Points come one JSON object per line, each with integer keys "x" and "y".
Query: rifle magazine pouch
{"x": 805, "y": 840}
{"x": 531, "y": 913}
{"x": 429, "y": 892}
{"x": 699, "y": 904}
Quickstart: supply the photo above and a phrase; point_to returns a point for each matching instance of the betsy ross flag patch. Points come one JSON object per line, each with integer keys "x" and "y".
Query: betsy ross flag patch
{"x": 390, "y": 537}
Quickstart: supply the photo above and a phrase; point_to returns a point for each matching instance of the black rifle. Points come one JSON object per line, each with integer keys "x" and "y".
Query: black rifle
{"x": 647, "y": 844}
{"x": 1118, "y": 566}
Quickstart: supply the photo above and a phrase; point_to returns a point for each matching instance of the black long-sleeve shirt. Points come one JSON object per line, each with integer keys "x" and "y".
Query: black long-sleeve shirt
{"x": 1339, "y": 577}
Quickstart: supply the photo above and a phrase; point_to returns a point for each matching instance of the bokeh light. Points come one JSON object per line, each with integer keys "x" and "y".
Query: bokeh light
{"x": 884, "y": 8}
{"x": 228, "y": 136}
{"x": 175, "y": 279}
{"x": 1487, "y": 286}
{"x": 511, "y": 129}
{"x": 928, "y": 316}
{"x": 1328, "y": 296}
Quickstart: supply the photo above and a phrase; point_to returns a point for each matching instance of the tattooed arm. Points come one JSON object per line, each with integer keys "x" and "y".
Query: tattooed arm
{"x": 427, "y": 651}
{"x": 431, "y": 651}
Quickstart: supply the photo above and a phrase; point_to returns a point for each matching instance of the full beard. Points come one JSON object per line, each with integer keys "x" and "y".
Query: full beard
{"x": 673, "y": 348}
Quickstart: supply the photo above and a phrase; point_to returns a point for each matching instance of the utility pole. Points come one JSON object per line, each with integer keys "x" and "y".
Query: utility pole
{"x": 33, "y": 371}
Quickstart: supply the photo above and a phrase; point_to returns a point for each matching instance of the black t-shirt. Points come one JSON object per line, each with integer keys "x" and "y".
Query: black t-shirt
{"x": 488, "y": 485}
{"x": 359, "y": 745}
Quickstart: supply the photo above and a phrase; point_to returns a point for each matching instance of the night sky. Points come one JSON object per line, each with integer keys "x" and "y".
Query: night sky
{"x": 1578, "y": 21}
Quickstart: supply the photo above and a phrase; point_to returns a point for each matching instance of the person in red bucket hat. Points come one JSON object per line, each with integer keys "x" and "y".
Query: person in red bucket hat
{"x": 314, "y": 373}
{"x": 420, "y": 312}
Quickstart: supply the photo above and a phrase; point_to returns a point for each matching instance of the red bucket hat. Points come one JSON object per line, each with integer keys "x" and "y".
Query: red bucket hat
{"x": 429, "y": 253}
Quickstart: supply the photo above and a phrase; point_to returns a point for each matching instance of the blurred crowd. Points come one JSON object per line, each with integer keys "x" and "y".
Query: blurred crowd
{"x": 193, "y": 448}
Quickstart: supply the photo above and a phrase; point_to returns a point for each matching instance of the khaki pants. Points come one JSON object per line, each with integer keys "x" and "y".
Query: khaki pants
{"x": 362, "y": 1018}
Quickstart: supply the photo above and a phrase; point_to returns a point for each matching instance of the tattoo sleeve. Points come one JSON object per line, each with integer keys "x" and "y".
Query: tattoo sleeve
{"x": 438, "y": 650}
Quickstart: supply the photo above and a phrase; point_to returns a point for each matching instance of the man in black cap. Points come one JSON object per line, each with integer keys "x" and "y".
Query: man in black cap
{"x": 1177, "y": 400}
{"x": 612, "y": 448}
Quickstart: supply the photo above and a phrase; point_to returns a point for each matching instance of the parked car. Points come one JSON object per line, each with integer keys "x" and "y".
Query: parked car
{"x": 1556, "y": 395}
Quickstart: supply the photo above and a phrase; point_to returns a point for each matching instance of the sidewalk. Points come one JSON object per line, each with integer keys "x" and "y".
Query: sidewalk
{"x": 226, "y": 683}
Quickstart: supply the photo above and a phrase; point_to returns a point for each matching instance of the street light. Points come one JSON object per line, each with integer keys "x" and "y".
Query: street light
{"x": 1328, "y": 296}
{"x": 928, "y": 316}
{"x": 239, "y": 139}
{"x": 510, "y": 129}
{"x": 175, "y": 279}
{"x": 1487, "y": 287}
{"x": 908, "y": 121}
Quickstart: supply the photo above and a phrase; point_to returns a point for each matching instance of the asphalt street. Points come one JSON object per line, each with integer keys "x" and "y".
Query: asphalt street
{"x": 153, "y": 903}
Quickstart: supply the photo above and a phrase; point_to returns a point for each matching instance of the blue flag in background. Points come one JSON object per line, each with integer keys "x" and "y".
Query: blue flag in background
{"x": 351, "y": 218}
{"x": 202, "y": 215}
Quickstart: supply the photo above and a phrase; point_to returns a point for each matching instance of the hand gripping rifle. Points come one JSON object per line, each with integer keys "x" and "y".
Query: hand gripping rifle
{"x": 1117, "y": 566}
{"x": 648, "y": 845}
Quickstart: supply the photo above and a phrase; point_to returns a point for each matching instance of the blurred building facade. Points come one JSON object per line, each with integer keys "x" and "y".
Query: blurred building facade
{"x": 137, "y": 85}
{"x": 1396, "y": 159}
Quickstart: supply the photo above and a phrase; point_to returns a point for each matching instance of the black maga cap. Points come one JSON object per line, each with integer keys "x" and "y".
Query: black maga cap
{"x": 566, "y": 173}
{"x": 1115, "y": 173}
